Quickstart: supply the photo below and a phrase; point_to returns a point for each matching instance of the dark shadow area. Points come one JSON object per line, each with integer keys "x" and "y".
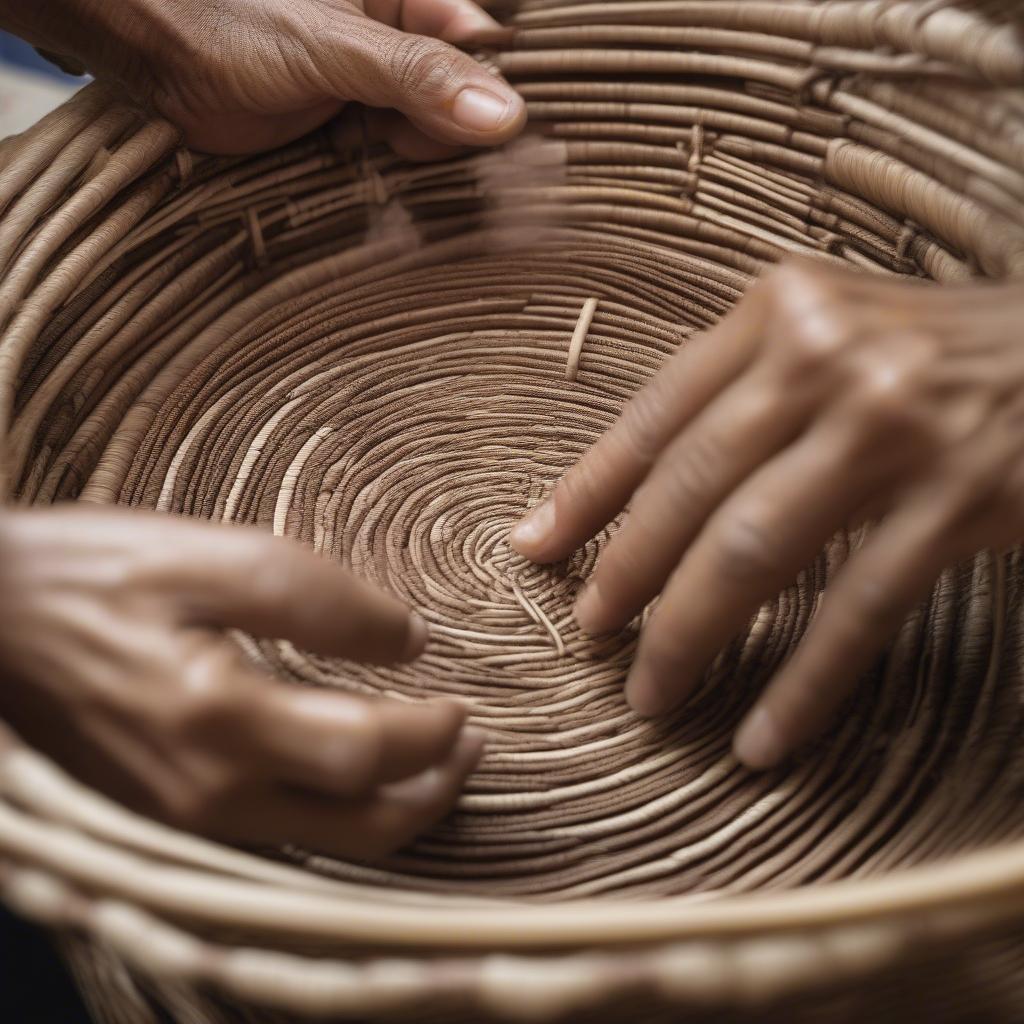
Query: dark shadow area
{"x": 35, "y": 987}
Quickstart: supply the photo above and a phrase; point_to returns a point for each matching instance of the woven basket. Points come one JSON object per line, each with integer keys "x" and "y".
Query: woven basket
{"x": 377, "y": 358}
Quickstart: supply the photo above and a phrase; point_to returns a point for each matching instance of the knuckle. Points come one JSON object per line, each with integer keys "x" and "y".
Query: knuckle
{"x": 423, "y": 65}
{"x": 199, "y": 803}
{"x": 272, "y": 571}
{"x": 808, "y": 348}
{"x": 747, "y": 549}
{"x": 800, "y": 277}
{"x": 643, "y": 422}
{"x": 810, "y": 318}
{"x": 691, "y": 474}
{"x": 582, "y": 484}
{"x": 890, "y": 398}
{"x": 209, "y": 695}
{"x": 882, "y": 405}
{"x": 360, "y": 752}
{"x": 888, "y": 385}
{"x": 191, "y": 807}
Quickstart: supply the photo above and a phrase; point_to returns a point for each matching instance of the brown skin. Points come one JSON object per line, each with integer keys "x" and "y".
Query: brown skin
{"x": 113, "y": 657}
{"x": 827, "y": 398}
{"x": 238, "y": 76}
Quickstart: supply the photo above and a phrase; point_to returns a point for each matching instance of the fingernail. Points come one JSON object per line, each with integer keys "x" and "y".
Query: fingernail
{"x": 416, "y": 639}
{"x": 758, "y": 743}
{"x": 479, "y": 111}
{"x": 534, "y": 529}
{"x": 590, "y": 609}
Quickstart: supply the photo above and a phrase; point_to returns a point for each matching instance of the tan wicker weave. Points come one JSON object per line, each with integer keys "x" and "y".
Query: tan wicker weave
{"x": 392, "y": 362}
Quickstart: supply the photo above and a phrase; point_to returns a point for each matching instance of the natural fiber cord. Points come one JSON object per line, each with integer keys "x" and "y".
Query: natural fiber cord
{"x": 391, "y": 363}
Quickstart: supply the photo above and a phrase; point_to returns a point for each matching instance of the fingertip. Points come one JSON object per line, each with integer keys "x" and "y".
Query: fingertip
{"x": 759, "y": 743}
{"x": 470, "y": 749}
{"x": 645, "y": 694}
{"x": 591, "y": 611}
{"x": 493, "y": 113}
{"x": 470, "y": 22}
{"x": 417, "y": 736}
{"x": 438, "y": 787}
{"x": 417, "y": 637}
{"x": 451, "y": 20}
{"x": 532, "y": 535}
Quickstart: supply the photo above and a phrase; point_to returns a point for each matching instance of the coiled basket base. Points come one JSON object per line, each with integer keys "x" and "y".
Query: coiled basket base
{"x": 376, "y": 358}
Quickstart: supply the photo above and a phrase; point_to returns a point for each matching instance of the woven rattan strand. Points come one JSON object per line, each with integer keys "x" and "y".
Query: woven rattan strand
{"x": 379, "y": 359}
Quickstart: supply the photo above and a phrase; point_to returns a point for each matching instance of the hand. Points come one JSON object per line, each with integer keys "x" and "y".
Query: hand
{"x": 113, "y": 660}
{"x": 245, "y": 75}
{"x": 825, "y": 399}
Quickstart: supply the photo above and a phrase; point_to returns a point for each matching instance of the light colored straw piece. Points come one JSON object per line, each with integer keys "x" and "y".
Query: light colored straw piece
{"x": 579, "y": 339}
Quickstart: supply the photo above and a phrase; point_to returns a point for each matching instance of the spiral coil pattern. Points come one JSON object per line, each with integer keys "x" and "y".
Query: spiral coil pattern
{"x": 379, "y": 359}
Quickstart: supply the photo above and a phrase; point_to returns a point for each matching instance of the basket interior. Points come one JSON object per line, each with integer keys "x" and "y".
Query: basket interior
{"x": 371, "y": 356}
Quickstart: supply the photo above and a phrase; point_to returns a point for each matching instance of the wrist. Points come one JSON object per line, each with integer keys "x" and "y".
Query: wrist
{"x": 110, "y": 40}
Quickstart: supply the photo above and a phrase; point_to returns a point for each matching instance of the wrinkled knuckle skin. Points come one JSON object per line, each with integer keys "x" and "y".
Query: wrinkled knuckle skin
{"x": 208, "y": 699}
{"x": 580, "y": 486}
{"x": 423, "y": 66}
{"x": 747, "y": 550}
{"x": 642, "y": 428}
{"x": 811, "y": 320}
{"x": 692, "y": 478}
{"x": 887, "y": 397}
{"x": 809, "y": 349}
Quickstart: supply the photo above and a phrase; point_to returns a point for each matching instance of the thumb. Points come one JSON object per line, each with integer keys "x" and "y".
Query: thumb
{"x": 443, "y": 91}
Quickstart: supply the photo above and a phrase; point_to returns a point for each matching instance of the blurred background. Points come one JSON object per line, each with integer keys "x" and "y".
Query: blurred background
{"x": 29, "y": 86}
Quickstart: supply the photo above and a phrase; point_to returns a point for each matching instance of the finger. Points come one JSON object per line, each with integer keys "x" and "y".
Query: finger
{"x": 598, "y": 487}
{"x": 444, "y": 92}
{"x": 753, "y": 546}
{"x": 366, "y": 830}
{"x": 451, "y": 20}
{"x": 360, "y": 127}
{"x": 410, "y": 142}
{"x": 341, "y": 744}
{"x": 273, "y": 587}
{"x": 869, "y": 601}
{"x": 239, "y": 132}
{"x": 728, "y": 441}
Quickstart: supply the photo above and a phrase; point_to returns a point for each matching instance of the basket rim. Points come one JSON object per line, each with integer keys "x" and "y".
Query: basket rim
{"x": 211, "y": 885}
